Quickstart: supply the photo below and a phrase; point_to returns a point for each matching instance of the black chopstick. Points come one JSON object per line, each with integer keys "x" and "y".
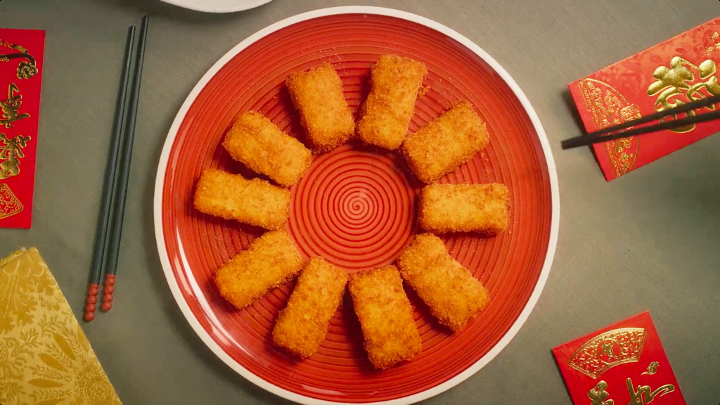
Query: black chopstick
{"x": 585, "y": 140}
{"x": 656, "y": 116}
{"x": 110, "y": 172}
{"x": 124, "y": 175}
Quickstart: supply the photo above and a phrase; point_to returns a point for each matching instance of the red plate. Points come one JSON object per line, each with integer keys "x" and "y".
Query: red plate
{"x": 356, "y": 206}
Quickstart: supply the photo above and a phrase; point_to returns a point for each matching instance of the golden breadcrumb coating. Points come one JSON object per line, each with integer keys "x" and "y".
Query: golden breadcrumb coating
{"x": 303, "y": 324}
{"x": 445, "y": 143}
{"x": 259, "y": 144}
{"x": 395, "y": 82}
{"x": 453, "y": 295}
{"x": 386, "y": 316}
{"x": 268, "y": 262}
{"x": 254, "y": 202}
{"x": 453, "y": 208}
{"x": 324, "y": 112}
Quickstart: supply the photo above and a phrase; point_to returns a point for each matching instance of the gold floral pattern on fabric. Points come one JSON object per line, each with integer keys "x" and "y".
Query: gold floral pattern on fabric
{"x": 45, "y": 357}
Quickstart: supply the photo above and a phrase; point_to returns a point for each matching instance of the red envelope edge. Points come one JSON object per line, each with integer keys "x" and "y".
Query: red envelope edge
{"x": 674, "y": 72}
{"x": 21, "y": 68}
{"x": 621, "y": 364}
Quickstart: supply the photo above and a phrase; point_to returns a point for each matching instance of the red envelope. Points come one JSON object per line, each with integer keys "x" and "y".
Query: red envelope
{"x": 674, "y": 72}
{"x": 621, "y": 364}
{"x": 21, "y": 67}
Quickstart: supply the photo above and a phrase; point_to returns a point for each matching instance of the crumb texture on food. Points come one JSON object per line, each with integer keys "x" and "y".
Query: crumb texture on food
{"x": 461, "y": 208}
{"x": 451, "y": 293}
{"x": 324, "y": 113}
{"x": 261, "y": 146}
{"x": 395, "y": 82}
{"x": 303, "y": 324}
{"x": 255, "y": 202}
{"x": 445, "y": 143}
{"x": 386, "y": 316}
{"x": 268, "y": 262}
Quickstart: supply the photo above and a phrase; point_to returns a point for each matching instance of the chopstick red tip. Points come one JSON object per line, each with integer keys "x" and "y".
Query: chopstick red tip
{"x": 108, "y": 291}
{"x": 91, "y": 300}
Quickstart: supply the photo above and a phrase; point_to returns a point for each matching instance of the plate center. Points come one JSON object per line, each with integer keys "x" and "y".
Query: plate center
{"x": 355, "y": 207}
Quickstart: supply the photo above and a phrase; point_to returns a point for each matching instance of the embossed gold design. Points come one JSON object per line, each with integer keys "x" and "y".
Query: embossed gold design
{"x": 10, "y": 107}
{"x": 624, "y": 143}
{"x": 599, "y": 396}
{"x": 11, "y": 152}
{"x": 44, "y": 355}
{"x": 607, "y": 350}
{"x": 10, "y": 205}
{"x": 27, "y": 67}
{"x": 714, "y": 44}
{"x": 674, "y": 87}
{"x": 643, "y": 395}
{"x": 629, "y": 113}
{"x": 609, "y": 107}
{"x": 652, "y": 368}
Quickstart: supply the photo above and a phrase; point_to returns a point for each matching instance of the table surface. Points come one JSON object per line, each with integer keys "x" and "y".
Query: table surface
{"x": 646, "y": 241}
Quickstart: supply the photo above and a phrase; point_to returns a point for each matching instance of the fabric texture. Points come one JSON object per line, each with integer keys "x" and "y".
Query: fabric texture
{"x": 45, "y": 357}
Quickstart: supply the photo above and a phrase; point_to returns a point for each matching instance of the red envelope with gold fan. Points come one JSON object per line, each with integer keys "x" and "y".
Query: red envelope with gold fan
{"x": 622, "y": 364}
{"x": 672, "y": 73}
{"x": 21, "y": 62}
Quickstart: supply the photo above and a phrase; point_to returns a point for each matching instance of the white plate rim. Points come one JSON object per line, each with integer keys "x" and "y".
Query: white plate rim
{"x": 208, "y": 7}
{"x": 163, "y": 163}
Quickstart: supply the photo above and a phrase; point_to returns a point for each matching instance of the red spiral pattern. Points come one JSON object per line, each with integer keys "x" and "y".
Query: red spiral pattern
{"x": 356, "y": 206}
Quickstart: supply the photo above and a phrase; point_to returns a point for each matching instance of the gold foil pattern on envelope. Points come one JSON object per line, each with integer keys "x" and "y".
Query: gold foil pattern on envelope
{"x": 10, "y": 107}
{"x": 607, "y": 350}
{"x": 712, "y": 43}
{"x": 10, "y": 154}
{"x": 652, "y": 368}
{"x": 609, "y": 107}
{"x": 10, "y": 205}
{"x": 643, "y": 395}
{"x": 599, "y": 395}
{"x": 27, "y": 67}
{"x": 683, "y": 82}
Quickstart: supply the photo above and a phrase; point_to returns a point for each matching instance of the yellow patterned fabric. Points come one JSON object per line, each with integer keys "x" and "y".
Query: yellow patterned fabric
{"x": 45, "y": 357}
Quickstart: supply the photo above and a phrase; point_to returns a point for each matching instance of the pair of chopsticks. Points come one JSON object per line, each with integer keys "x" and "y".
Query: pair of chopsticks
{"x": 112, "y": 209}
{"x": 609, "y": 133}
